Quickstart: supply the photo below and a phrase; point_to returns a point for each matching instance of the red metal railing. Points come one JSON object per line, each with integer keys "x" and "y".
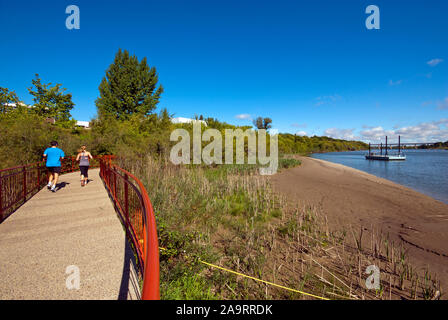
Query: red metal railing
{"x": 19, "y": 184}
{"x": 131, "y": 200}
{"x": 137, "y": 214}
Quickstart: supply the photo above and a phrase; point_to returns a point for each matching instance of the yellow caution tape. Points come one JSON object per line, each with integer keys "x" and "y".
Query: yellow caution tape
{"x": 256, "y": 279}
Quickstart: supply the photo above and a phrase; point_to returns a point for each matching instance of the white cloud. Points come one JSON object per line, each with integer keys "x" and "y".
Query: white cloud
{"x": 243, "y": 116}
{"x": 375, "y": 133}
{"x": 327, "y": 99}
{"x": 433, "y": 131}
{"x": 301, "y": 133}
{"x": 299, "y": 125}
{"x": 434, "y": 62}
{"x": 442, "y": 105}
{"x": 336, "y": 133}
{"x": 395, "y": 83}
{"x": 442, "y": 121}
{"x": 423, "y": 132}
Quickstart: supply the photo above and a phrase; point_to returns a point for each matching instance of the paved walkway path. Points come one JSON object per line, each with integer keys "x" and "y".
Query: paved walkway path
{"x": 52, "y": 232}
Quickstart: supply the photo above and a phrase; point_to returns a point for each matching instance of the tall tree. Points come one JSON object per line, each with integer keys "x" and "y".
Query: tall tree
{"x": 8, "y": 99}
{"x": 128, "y": 88}
{"x": 263, "y": 123}
{"x": 51, "y": 101}
{"x": 165, "y": 118}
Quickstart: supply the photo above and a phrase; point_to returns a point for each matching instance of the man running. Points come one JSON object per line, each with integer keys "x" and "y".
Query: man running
{"x": 54, "y": 156}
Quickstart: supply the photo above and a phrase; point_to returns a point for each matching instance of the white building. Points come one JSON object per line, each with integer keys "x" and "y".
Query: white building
{"x": 186, "y": 120}
{"x": 14, "y": 105}
{"x": 84, "y": 124}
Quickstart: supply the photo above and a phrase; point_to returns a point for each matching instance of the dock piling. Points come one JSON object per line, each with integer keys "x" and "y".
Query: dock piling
{"x": 386, "y": 145}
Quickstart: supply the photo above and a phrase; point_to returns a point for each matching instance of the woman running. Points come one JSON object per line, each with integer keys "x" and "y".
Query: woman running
{"x": 83, "y": 158}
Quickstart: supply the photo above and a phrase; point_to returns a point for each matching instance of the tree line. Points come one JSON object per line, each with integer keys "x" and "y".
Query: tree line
{"x": 126, "y": 122}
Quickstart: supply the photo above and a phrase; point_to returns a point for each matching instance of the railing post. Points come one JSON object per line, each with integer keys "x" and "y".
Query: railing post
{"x": 38, "y": 176}
{"x": 115, "y": 185}
{"x": 126, "y": 199}
{"x": 24, "y": 183}
{"x": 1, "y": 199}
{"x": 107, "y": 175}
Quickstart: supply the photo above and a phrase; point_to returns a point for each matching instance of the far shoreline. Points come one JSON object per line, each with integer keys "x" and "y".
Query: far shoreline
{"x": 422, "y": 191}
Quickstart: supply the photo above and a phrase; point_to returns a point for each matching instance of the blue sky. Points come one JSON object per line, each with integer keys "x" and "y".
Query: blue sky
{"x": 312, "y": 66}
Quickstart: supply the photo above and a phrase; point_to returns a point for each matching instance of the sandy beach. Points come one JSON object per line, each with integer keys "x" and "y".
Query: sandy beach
{"x": 350, "y": 197}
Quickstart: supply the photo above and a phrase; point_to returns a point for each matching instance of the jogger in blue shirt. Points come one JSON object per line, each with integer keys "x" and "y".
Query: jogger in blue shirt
{"x": 53, "y": 156}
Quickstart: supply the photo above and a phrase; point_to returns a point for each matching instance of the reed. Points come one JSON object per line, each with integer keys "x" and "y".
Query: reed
{"x": 229, "y": 215}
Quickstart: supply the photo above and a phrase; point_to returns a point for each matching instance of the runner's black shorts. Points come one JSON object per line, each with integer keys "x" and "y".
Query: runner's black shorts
{"x": 84, "y": 171}
{"x": 54, "y": 169}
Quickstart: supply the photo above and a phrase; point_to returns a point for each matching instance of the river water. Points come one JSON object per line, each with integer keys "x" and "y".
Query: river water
{"x": 425, "y": 171}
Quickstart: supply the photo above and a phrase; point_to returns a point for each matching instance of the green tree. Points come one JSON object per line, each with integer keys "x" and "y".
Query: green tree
{"x": 128, "y": 88}
{"x": 51, "y": 101}
{"x": 7, "y": 99}
{"x": 165, "y": 119}
{"x": 263, "y": 123}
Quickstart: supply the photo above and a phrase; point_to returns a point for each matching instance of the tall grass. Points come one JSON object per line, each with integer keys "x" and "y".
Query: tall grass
{"x": 228, "y": 215}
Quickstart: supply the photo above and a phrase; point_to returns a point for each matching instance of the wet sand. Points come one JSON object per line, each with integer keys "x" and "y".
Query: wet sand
{"x": 351, "y": 197}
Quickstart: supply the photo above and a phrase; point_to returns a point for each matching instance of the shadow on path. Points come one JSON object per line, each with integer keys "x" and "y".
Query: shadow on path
{"x": 61, "y": 185}
{"x": 129, "y": 287}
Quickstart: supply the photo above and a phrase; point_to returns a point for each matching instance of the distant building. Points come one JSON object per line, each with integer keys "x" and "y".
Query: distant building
{"x": 187, "y": 120}
{"x": 52, "y": 120}
{"x": 84, "y": 124}
{"x": 14, "y": 105}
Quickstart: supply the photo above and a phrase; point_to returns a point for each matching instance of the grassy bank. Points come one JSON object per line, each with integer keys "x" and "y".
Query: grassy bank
{"x": 228, "y": 216}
